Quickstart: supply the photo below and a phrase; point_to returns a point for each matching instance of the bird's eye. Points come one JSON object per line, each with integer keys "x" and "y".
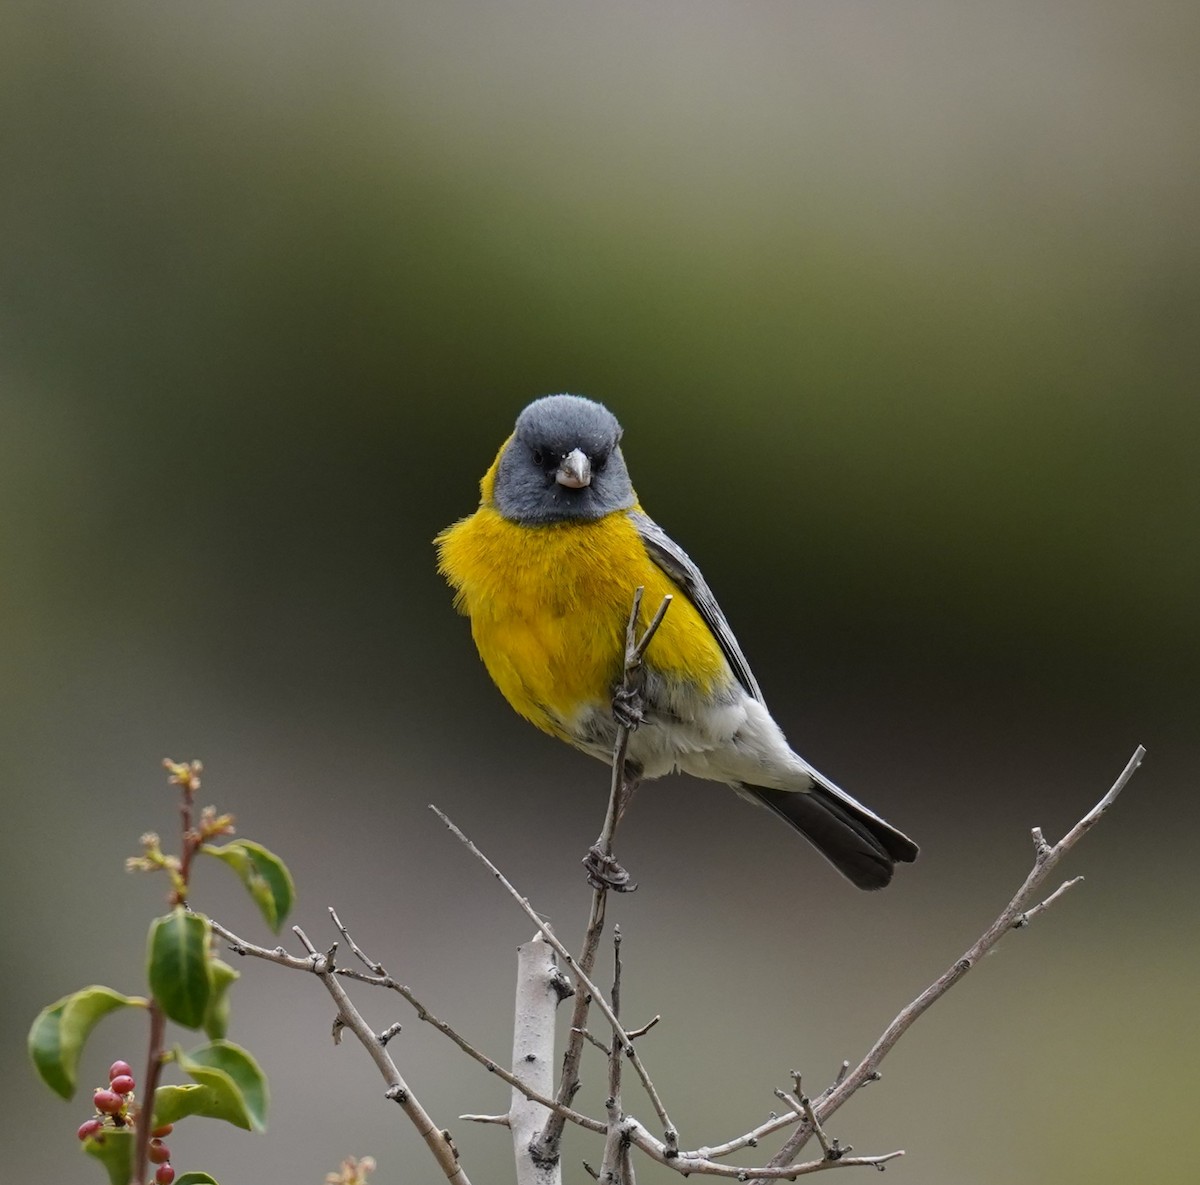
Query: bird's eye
{"x": 539, "y": 457}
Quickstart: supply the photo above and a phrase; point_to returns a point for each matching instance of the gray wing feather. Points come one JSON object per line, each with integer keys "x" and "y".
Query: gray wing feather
{"x": 677, "y": 564}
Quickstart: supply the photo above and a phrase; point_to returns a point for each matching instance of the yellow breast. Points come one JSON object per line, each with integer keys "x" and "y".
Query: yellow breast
{"x": 548, "y": 606}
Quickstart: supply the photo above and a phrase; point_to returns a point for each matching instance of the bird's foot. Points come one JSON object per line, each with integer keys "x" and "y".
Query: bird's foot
{"x": 628, "y": 708}
{"x": 603, "y": 872}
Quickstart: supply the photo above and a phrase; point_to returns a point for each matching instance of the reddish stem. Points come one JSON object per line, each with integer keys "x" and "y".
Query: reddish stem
{"x": 190, "y": 840}
{"x": 154, "y": 1062}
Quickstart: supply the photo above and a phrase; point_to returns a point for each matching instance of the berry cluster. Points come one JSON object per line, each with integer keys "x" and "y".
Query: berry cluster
{"x": 114, "y": 1108}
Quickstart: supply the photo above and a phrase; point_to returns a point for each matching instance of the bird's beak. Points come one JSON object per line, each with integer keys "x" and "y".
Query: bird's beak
{"x": 575, "y": 472}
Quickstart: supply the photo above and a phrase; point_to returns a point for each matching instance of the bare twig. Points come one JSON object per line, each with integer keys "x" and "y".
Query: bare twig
{"x": 591, "y": 1039}
{"x": 1046, "y": 858}
{"x": 370, "y": 964}
{"x": 397, "y": 1089}
{"x": 634, "y": 1034}
{"x": 749, "y": 1140}
{"x": 549, "y": 1142}
{"x": 615, "y": 1146}
{"x": 585, "y": 984}
{"x": 1025, "y": 918}
{"x": 830, "y": 1150}
{"x": 687, "y": 1163}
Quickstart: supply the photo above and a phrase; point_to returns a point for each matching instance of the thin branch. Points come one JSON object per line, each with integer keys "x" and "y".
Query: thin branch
{"x": 621, "y": 788}
{"x": 1046, "y": 858}
{"x": 687, "y": 1163}
{"x": 397, "y": 1089}
{"x": 591, "y": 1039}
{"x": 370, "y": 964}
{"x": 550, "y": 1140}
{"x": 585, "y": 984}
{"x": 1025, "y": 918}
{"x": 615, "y": 1148}
{"x": 621, "y": 749}
{"x": 831, "y": 1151}
{"x": 628, "y": 693}
{"x": 634, "y": 1034}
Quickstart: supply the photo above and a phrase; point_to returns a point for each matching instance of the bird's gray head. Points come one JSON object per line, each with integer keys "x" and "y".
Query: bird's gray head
{"x": 563, "y": 462}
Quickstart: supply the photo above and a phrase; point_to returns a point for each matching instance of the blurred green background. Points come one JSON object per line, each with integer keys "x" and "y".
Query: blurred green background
{"x": 899, "y": 307}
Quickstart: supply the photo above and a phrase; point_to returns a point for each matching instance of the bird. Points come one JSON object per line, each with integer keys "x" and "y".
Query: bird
{"x": 546, "y": 569}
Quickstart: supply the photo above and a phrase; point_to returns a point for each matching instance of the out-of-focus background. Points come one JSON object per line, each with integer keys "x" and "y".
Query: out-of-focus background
{"x": 899, "y": 307}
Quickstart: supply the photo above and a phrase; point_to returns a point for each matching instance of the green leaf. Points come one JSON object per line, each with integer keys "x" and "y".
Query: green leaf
{"x": 238, "y": 1084}
{"x": 195, "y": 1179}
{"x": 114, "y": 1149}
{"x": 57, "y": 1036}
{"x": 173, "y": 1103}
{"x": 264, "y": 875}
{"x": 216, "y": 1017}
{"x": 178, "y": 966}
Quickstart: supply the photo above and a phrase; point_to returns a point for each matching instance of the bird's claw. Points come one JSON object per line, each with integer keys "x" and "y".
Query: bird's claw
{"x": 603, "y": 872}
{"x": 628, "y": 708}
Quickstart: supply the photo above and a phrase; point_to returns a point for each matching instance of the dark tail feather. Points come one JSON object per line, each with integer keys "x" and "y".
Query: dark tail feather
{"x": 860, "y": 845}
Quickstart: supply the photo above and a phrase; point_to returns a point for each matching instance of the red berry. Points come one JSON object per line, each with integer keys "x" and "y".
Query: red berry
{"x": 119, "y": 1068}
{"x": 89, "y": 1129}
{"x": 107, "y": 1102}
{"x": 165, "y": 1174}
{"x": 122, "y": 1084}
{"x": 165, "y": 1130}
{"x": 159, "y": 1153}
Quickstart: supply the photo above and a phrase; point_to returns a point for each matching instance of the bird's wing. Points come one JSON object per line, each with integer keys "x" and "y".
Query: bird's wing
{"x": 677, "y": 564}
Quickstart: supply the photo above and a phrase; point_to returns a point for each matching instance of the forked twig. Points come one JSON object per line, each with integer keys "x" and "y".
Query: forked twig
{"x": 321, "y": 965}
{"x": 1015, "y": 914}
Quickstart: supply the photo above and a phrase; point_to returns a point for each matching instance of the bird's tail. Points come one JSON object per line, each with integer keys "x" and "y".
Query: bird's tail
{"x": 856, "y": 841}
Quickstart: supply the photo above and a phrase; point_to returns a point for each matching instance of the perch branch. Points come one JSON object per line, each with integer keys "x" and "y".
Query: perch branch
{"x": 621, "y": 789}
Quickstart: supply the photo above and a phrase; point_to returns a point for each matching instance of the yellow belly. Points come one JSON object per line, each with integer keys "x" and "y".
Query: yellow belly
{"x": 548, "y": 606}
